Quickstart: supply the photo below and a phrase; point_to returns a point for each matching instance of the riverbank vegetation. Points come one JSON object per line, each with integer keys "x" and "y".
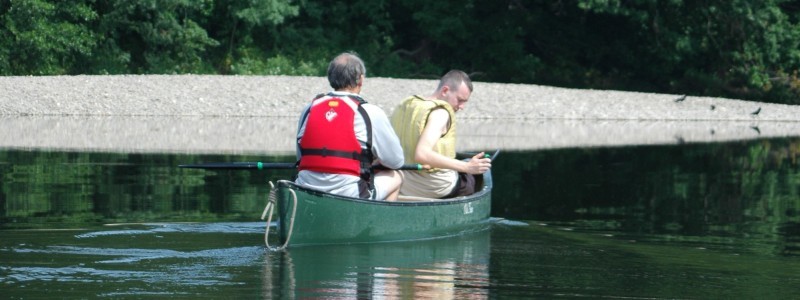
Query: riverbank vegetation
{"x": 730, "y": 48}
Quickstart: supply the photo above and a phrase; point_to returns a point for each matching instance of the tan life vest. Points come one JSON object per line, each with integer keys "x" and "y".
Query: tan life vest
{"x": 409, "y": 120}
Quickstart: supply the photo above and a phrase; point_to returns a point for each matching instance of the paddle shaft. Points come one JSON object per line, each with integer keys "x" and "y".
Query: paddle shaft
{"x": 496, "y": 152}
{"x": 285, "y": 166}
{"x": 239, "y": 166}
{"x": 271, "y": 166}
{"x": 471, "y": 154}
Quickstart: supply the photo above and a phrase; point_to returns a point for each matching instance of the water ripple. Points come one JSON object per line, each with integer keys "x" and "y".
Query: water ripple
{"x": 155, "y": 228}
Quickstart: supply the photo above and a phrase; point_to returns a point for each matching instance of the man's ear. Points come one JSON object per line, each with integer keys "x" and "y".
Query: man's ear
{"x": 444, "y": 90}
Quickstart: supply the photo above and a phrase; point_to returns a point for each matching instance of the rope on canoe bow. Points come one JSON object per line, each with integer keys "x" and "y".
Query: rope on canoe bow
{"x": 271, "y": 201}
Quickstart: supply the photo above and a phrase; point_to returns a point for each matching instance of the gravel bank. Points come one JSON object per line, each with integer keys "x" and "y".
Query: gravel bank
{"x": 256, "y": 114}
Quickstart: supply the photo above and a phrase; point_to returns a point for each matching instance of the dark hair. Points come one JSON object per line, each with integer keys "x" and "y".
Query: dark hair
{"x": 345, "y": 70}
{"x": 453, "y": 80}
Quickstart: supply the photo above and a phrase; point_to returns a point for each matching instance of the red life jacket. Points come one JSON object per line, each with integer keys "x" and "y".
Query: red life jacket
{"x": 329, "y": 143}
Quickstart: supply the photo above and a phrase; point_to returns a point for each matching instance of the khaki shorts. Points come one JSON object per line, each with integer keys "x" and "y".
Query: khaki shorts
{"x": 429, "y": 185}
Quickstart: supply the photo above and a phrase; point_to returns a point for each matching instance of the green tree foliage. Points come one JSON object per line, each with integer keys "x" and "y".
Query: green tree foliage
{"x": 44, "y": 37}
{"x": 239, "y": 26}
{"x": 154, "y": 36}
{"x": 325, "y": 28}
{"x": 740, "y": 48}
{"x": 485, "y": 38}
{"x": 733, "y": 48}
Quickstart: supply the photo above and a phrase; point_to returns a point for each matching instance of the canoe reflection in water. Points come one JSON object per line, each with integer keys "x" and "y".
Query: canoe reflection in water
{"x": 446, "y": 268}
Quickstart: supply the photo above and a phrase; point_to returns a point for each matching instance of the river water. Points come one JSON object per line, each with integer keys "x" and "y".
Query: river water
{"x": 714, "y": 220}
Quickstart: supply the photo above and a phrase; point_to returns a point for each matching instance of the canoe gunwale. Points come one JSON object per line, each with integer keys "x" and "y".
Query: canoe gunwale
{"x": 485, "y": 189}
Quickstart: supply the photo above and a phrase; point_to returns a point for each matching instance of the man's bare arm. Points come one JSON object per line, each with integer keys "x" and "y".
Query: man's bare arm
{"x": 424, "y": 154}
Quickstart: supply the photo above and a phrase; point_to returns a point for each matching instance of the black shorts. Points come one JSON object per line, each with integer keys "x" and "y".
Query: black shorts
{"x": 465, "y": 186}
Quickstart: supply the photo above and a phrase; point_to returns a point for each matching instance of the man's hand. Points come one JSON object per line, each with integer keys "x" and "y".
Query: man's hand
{"x": 479, "y": 164}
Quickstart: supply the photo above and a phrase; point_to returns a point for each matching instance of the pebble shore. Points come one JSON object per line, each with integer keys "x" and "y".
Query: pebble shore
{"x": 257, "y": 114}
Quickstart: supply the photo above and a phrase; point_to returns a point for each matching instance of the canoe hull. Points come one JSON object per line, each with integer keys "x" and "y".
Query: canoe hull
{"x": 322, "y": 218}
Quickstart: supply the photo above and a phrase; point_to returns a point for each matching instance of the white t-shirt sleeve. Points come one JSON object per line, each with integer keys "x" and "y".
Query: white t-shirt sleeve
{"x": 301, "y": 128}
{"x": 385, "y": 144}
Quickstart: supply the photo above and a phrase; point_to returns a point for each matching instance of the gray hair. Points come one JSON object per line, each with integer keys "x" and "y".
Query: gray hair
{"x": 453, "y": 80}
{"x": 345, "y": 71}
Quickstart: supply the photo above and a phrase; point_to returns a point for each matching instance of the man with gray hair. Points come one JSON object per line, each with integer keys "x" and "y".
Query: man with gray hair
{"x": 340, "y": 137}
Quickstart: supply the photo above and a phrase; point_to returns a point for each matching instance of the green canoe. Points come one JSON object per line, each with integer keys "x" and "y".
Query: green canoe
{"x": 322, "y": 218}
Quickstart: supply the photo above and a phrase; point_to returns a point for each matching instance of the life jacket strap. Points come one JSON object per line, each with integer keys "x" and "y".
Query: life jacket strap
{"x": 328, "y": 152}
